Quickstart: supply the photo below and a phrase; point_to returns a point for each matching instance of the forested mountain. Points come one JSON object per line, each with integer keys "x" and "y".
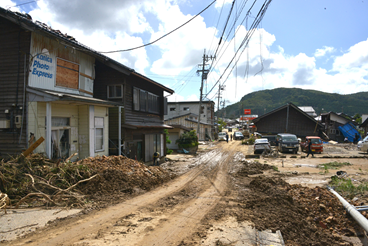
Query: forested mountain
{"x": 261, "y": 102}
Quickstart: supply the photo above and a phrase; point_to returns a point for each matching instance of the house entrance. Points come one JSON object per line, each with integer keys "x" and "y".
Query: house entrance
{"x": 60, "y": 137}
{"x": 60, "y": 143}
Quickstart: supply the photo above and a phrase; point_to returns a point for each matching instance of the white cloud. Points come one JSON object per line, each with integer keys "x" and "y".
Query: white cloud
{"x": 97, "y": 39}
{"x": 220, "y": 3}
{"x": 116, "y": 25}
{"x": 324, "y": 51}
{"x": 355, "y": 58}
{"x": 8, "y": 4}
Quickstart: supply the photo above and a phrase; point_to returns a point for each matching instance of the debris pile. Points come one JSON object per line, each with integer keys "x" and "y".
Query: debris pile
{"x": 304, "y": 216}
{"x": 36, "y": 180}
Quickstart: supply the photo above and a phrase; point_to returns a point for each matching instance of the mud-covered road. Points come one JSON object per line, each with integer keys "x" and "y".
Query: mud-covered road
{"x": 219, "y": 199}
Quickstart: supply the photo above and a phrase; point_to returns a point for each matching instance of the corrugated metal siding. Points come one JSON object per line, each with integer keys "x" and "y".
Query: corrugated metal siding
{"x": 43, "y": 66}
{"x": 14, "y": 53}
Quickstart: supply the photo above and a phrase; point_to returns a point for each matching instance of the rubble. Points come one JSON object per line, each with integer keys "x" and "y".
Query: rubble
{"x": 304, "y": 216}
{"x": 37, "y": 181}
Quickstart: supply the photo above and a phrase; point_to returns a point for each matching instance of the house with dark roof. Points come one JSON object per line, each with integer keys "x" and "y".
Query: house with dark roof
{"x": 288, "y": 119}
{"x": 78, "y": 100}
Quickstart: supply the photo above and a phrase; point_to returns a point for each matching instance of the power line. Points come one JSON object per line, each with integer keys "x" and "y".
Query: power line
{"x": 246, "y": 40}
{"x": 115, "y": 51}
{"x": 23, "y": 4}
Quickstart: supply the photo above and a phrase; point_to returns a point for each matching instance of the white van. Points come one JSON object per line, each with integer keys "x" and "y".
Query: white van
{"x": 222, "y": 136}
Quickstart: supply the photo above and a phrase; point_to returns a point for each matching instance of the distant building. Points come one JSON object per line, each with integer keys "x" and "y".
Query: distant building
{"x": 189, "y": 110}
{"x": 309, "y": 110}
{"x": 184, "y": 123}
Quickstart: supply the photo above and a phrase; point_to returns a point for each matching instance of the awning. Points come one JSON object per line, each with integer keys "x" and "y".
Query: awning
{"x": 148, "y": 125}
{"x": 67, "y": 98}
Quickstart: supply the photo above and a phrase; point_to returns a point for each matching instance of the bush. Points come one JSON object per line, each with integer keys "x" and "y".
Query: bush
{"x": 250, "y": 141}
{"x": 188, "y": 140}
{"x": 169, "y": 151}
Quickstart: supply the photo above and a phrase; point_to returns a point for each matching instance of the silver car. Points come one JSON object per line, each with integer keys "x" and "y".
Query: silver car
{"x": 222, "y": 136}
{"x": 363, "y": 145}
{"x": 261, "y": 145}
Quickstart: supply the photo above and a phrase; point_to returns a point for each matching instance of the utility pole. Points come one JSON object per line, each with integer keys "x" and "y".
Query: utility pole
{"x": 204, "y": 72}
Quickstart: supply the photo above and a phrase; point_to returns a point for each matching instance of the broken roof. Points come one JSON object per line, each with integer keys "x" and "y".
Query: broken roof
{"x": 25, "y": 21}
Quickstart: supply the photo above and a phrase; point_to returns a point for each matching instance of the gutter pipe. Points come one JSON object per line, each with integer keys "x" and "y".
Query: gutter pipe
{"x": 362, "y": 221}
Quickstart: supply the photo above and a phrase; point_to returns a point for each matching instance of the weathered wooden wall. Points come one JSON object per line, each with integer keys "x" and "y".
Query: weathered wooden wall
{"x": 298, "y": 123}
{"x": 14, "y": 54}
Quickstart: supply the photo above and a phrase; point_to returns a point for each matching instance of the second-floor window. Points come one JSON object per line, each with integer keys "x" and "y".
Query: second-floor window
{"x": 114, "y": 91}
{"x": 145, "y": 101}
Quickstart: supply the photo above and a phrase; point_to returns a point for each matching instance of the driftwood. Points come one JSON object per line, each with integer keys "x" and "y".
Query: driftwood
{"x": 70, "y": 157}
{"x": 34, "y": 194}
{"x": 4, "y": 201}
{"x": 53, "y": 198}
{"x": 80, "y": 181}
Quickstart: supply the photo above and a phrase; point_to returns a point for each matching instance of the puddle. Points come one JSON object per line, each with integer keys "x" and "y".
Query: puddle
{"x": 305, "y": 165}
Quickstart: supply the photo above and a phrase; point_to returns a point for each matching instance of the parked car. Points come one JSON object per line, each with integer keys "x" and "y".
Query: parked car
{"x": 363, "y": 145}
{"x": 261, "y": 145}
{"x": 238, "y": 136}
{"x": 317, "y": 144}
{"x": 271, "y": 139}
{"x": 230, "y": 129}
{"x": 287, "y": 143}
{"x": 222, "y": 136}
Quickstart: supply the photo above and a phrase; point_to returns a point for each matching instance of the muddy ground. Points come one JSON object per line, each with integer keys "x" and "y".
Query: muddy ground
{"x": 213, "y": 198}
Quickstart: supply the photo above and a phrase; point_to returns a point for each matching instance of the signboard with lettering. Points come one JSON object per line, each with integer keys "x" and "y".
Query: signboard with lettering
{"x": 248, "y": 117}
{"x": 247, "y": 111}
{"x": 43, "y": 66}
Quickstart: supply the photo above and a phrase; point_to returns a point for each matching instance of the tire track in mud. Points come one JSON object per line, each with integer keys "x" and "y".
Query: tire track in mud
{"x": 210, "y": 174}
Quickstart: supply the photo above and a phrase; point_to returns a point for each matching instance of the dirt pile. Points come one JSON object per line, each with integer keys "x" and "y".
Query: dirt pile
{"x": 118, "y": 174}
{"x": 37, "y": 181}
{"x": 304, "y": 216}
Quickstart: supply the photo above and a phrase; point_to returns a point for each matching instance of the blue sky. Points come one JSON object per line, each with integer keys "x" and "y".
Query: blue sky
{"x": 314, "y": 44}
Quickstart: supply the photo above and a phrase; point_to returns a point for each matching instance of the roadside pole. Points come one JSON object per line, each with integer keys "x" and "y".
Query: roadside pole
{"x": 204, "y": 72}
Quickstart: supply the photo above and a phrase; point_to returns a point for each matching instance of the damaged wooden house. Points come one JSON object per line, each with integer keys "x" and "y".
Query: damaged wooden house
{"x": 80, "y": 101}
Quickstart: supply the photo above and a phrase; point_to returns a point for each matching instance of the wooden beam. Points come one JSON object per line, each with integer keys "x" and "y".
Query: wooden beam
{"x": 33, "y": 147}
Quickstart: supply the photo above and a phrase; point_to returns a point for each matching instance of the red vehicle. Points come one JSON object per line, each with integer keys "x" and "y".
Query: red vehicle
{"x": 317, "y": 144}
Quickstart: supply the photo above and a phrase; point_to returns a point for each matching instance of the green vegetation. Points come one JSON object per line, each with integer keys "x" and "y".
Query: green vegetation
{"x": 275, "y": 168}
{"x": 261, "y": 102}
{"x": 188, "y": 140}
{"x": 347, "y": 188}
{"x": 168, "y": 141}
{"x": 333, "y": 165}
{"x": 221, "y": 125}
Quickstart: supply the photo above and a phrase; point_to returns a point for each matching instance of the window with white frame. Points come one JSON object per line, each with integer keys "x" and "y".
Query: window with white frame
{"x": 145, "y": 101}
{"x": 99, "y": 130}
{"x": 114, "y": 91}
